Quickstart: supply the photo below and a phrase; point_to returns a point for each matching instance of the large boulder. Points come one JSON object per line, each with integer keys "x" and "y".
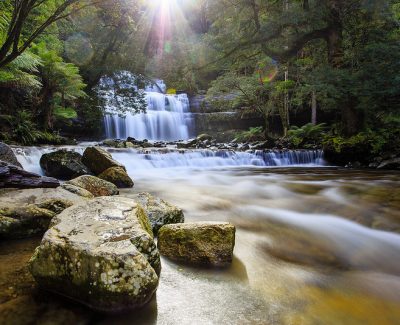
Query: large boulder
{"x": 63, "y": 164}
{"x": 160, "y": 212}
{"x": 12, "y": 176}
{"x": 201, "y": 243}
{"x": 98, "y": 160}
{"x": 7, "y": 155}
{"x": 118, "y": 176}
{"x": 24, "y": 213}
{"x": 94, "y": 185}
{"x": 100, "y": 253}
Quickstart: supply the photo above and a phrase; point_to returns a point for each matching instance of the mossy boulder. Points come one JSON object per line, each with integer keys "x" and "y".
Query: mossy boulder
{"x": 118, "y": 176}
{"x": 7, "y": 155}
{"x": 100, "y": 253}
{"x": 63, "y": 164}
{"x": 25, "y": 213}
{"x": 94, "y": 185}
{"x": 204, "y": 137}
{"x": 98, "y": 160}
{"x": 201, "y": 243}
{"x": 160, "y": 212}
{"x": 77, "y": 190}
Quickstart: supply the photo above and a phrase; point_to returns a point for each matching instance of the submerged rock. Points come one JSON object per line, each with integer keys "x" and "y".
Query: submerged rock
{"x": 204, "y": 243}
{"x": 94, "y": 185}
{"x": 160, "y": 212}
{"x": 7, "y": 155}
{"x": 118, "y": 176}
{"x": 98, "y": 160}
{"x": 63, "y": 164}
{"x": 12, "y": 176}
{"x": 100, "y": 253}
{"x": 24, "y": 213}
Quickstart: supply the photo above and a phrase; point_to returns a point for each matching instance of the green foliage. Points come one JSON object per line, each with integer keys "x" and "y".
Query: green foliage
{"x": 24, "y": 130}
{"x": 307, "y": 134}
{"x": 253, "y": 134}
{"x": 65, "y": 113}
{"x": 22, "y": 73}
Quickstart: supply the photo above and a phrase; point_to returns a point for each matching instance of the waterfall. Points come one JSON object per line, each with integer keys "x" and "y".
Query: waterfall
{"x": 167, "y": 117}
{"x": 152, "y": 159}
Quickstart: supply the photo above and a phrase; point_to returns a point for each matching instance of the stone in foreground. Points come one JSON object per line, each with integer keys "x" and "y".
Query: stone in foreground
{"x": 63, "y": 164}
{"x": 24, "y": 213}
{"x": 94, "y": 185}
{"x": 118, "y": 176}
{"x": 201, "y": 243}
{"x": 98, "y": 160}
{"x": 160, "y": 212}
{"x": 100, "y": 253}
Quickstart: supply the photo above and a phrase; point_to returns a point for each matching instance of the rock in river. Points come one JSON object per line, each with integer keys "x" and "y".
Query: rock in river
{"x": 63, "y": 164}
{"x": 160, "y": 213}
{"x": 25, "y": 213}
{"x": 98, "y": 160}
{"x": 203, "y": 243}
{"x": 94, "y": 185}
{"x": 101, "y": 253}
{"x": 7, "y": 155}
{"x": 118, "y": 176}
{"x": 12, "y": 176}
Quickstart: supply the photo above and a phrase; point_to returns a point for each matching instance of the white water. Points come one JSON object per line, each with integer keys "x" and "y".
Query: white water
{"x": 151, "y": 159}
{"x": 293, "y": 226}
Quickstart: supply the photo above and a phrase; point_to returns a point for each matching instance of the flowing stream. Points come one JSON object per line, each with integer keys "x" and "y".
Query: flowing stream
{"x": 314, "y": 244}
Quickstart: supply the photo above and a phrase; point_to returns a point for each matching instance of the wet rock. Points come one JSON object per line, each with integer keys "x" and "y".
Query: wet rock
{"x": 63, "y": 164}
{"x": 77, "y": 190}
{"x": 113, "y": 143}
{"x": 204, "y": 137}
{"x": 202, "y": 243}
{"x": 393, "y": 163}
{"x": 187, "y": 144}
{"x": 7, "y": 155}
{"x": 101, "y": 253}
{"x": 24, "y": 213}
{"x": 98, "y": 160}
{"x": 118, "y": 176}
{"x": 12, "y": 176}
{"x": 94, "y": 185}
{"x": 160, "y": 212}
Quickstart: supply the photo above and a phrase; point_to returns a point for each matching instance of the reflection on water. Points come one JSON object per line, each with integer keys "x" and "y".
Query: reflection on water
{"x": 313, "y": 246}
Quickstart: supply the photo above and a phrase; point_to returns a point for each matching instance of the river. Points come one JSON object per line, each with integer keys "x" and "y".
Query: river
{"x": 314, "y": 245}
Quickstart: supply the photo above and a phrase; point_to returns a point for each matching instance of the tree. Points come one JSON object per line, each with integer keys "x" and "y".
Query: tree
{"x": 61, "y": 83}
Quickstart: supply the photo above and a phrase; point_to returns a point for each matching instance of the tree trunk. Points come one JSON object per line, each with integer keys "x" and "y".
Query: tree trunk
{"x": 313, "y": 107}
{"x": 350, "y": 117}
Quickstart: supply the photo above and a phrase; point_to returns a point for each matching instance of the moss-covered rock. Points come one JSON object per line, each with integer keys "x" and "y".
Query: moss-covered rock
{"x": 77, "y": 190}
{"x": 98, "y": 160}
{"x": 94, "y": 185}
{"x": 7, "y": 155}
{"x": 118, "y": 176}
{"x": 63, "y": 164}
{"x": 100, "y": 253}
{"x": 202, "y": 243}
{"x": 25, "y": 213}
{"x": 160, "y": 212}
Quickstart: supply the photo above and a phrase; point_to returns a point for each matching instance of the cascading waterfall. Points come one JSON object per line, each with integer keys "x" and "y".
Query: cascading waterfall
{"x": 167, "y": 117}
{"x": 150, "y": 159}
